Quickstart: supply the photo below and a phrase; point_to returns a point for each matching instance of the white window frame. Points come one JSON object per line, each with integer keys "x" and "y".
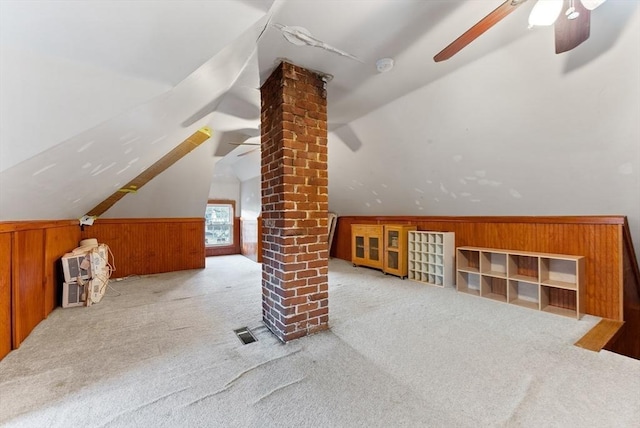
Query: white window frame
{"x": 211, "y": 227}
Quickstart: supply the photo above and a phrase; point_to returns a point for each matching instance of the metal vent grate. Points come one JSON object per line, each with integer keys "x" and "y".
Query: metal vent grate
{"x": 245, "y": 335}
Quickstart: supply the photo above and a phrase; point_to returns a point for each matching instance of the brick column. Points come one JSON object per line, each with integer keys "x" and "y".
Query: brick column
{"x": 295, "y": 255}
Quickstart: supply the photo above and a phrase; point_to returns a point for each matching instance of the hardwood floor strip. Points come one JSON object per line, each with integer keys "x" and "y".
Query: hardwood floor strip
{"x": 598, "y": 337}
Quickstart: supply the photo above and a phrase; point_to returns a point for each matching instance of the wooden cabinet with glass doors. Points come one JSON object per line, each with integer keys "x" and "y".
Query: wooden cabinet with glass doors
{"x": 381, "y": 247}
{"x": 366, "y": 245}
{"x": 395, "y": 249}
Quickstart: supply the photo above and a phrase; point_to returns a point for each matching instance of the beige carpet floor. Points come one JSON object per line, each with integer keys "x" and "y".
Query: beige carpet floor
{"x": 159, "y": 351}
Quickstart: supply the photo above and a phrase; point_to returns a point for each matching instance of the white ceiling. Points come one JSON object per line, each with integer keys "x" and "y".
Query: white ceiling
{"x": 92, "y": 92}
{"x": 164, "y": 42}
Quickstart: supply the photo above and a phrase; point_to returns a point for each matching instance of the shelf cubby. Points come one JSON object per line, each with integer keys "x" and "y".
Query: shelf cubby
{"x": 548, "y": 282}
{"x": 523, "y": 267}
{"x": 468, "y": 261}
{"x": 469, "y": 282}
{"x": 523, "y": 293}
{"x": 493, "y": 288}
{"x": 559, "y": 301}
{"x": 558, "y": 273}
{"x": 493, "y": 264}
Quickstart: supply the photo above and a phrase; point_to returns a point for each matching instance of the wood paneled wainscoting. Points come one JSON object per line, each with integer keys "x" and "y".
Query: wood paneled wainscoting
{"x": 151, "y": 245}
{"x": 628, "y": 342}
{"x": 612, "y": 280}
{"x": 29, "y": 274}
{"x": 30, "y": 252}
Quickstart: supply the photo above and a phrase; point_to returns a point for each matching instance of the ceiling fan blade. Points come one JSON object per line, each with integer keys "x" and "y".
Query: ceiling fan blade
{"x": 571, "y": 32}
{"x": 247, "y": 152}
{"x": 477, "y": 30}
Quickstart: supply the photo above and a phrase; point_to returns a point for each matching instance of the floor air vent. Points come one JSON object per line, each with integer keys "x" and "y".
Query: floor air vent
{"x": 245, "y": 335}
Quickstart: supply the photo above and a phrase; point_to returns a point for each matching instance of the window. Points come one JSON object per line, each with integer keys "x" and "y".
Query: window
{"x": 218, "y": 223}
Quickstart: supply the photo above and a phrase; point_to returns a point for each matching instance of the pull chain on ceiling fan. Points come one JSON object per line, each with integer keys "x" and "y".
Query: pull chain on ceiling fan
{"x": 570, "y": 30}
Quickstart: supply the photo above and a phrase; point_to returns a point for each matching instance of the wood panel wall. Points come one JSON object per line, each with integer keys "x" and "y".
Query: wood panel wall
{"x": 628, "y": 341}
{"x": 598, "y": 239}
{"x": 146, "y": 246}
{"x": 58, "y": 241}
{"x": 5, "y": 294}
{"x": 28, "y": 282}
{"x": 29, "y": 254}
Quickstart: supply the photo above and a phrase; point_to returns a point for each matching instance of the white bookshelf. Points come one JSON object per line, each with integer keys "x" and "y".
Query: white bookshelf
{"x": 547, "y": 282}
{"x": 431, "y": 258}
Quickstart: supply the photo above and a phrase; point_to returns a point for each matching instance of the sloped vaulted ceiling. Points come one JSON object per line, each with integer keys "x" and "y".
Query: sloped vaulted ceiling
{"x": 64, "y": 179}
{"x": 93, "y": 92}
{"x": 520, "y": 131}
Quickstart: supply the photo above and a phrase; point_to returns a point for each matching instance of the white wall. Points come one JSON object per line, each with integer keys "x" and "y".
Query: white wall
{"x": 225, "y": 185}
{"x": 79, "y": 132}
{"x": 180, "y": 191}
{"x": 46, "y": 100}
{"x": 521, "y": 131}
{"x": 250, "y": 192}
{"x": 510, "y": 134}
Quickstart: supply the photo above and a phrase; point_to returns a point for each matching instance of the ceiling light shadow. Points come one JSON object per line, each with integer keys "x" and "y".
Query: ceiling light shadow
{"x": 234, "y": 105}
{"x": 202, "y": 113}
{"x": 230, "y": 140}
{"x": 608, "y": 22}
{"x": 229, "y": 104}
{"x": 349, "y": 137}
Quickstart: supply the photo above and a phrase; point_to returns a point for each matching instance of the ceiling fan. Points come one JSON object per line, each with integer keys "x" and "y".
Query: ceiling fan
{"x": 571, "y": 27}
{"x": 242, "y": 137}
{"x": 256, "y": 148}
{"x": 247, "y": 152}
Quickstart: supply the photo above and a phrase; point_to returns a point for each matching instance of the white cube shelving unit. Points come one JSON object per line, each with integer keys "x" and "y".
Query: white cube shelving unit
{"x": 432, "y": 258}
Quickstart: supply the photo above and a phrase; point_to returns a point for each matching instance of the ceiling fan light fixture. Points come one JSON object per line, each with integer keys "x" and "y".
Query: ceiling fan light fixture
{"x": 592, "y": 4}
{"x": 545, "y": 13}
{"x": 571, "y": 12}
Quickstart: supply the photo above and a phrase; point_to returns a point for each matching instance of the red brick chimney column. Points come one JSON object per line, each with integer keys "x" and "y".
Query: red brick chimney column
{"x": 295, "y": 254}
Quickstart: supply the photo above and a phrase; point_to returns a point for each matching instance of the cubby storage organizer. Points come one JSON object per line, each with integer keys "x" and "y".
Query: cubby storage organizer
{"x": 431, "y": 257}
{"x": 547, "y": 282}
